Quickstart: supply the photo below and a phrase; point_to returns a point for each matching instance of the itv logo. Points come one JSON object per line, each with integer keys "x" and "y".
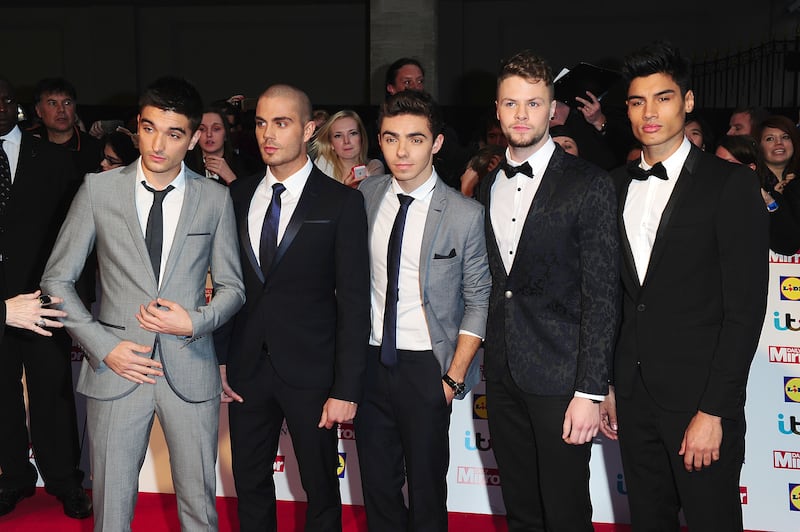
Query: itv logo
{"x": 792, "y": 428}
{"x": 476, "y": 442}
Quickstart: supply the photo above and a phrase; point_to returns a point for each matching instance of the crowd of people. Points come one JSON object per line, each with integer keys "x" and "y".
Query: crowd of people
{"x": 354, "y": 264}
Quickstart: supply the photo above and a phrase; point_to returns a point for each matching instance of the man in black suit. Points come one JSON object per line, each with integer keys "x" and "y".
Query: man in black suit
{"x": 298, "y": 347}
{"x": 32, "y": 206}
{"x": 694, "y": 276}
{"x": 553, "y": 252}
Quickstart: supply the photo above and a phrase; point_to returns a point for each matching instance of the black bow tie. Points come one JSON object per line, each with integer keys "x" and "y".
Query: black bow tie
{"x": 511, "y": 171}
{"x": 637, "y": 173}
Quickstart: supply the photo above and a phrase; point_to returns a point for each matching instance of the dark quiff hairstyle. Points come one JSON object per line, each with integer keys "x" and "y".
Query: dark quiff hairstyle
{"x": 529, "y": 66}
{"x": 177, "y": 95}
{"x": 54, "y": 86}
{"x": 659, "y": 57}
{"x": 415, "y": 103}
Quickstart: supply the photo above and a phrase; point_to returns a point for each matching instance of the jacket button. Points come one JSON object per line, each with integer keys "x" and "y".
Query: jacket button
{"x": 508, "y": 294}
{"x": 641, "y": 307}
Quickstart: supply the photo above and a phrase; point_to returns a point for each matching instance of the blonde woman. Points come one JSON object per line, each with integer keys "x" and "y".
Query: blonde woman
{"x": 341, "y": 146}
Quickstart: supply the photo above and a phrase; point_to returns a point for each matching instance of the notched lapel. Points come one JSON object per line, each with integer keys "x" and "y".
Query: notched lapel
{"x": 684, "y": 182}
{"x": 553, "y": 174}
{"x": 132, "y": 217}
{"x": 191, "y": 202}
{"x": 432, "y": 222}
{"x": 307, "y": 199}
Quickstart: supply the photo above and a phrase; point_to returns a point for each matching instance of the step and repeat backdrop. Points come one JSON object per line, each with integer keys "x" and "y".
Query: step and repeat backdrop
{"x": 770, "y": 483}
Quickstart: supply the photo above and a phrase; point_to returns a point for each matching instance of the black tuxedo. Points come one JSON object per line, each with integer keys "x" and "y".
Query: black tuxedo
{"x": 688, "y": 335}
{"x": 301, "y": 337}
{"x": 550, "y": 333}
{"x": 43, "y": 186}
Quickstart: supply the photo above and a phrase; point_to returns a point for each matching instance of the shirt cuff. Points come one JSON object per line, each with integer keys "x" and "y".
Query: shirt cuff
{"x": 462, "y": 331}
{"x": 598, "y": 398}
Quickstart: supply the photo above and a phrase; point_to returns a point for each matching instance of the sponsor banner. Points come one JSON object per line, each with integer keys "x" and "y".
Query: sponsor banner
{"x": 484, "y": 476}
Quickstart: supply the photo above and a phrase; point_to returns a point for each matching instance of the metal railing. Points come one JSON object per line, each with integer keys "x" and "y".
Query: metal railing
{"x": 766, "y": 75}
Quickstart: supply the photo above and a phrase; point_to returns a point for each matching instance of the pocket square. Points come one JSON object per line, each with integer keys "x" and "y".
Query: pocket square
{"x": 448, "y": 256}
{"x": 198, "y": 234}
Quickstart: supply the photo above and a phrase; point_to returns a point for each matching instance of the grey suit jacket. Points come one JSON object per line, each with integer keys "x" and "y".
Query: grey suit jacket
{"x": 103, "y": 215}
{"x": 454, "y": 270}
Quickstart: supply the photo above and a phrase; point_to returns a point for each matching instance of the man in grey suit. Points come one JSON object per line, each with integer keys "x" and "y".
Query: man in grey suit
{"x": 158, "y": 228}
{"x": 430, "y": 288}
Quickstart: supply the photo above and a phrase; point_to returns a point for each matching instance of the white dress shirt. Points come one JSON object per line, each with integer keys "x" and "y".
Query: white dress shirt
{"x": 263, "y": 196}
{"x": 412, "y": 327}
{"x": 512, "y": 199}
{"x": 11, "y": 145}
{"x": 645, "y": 205}
{"x": 171, "y": 208}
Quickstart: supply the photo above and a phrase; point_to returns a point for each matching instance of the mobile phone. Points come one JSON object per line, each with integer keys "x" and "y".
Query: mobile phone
{"x": 359, "y": 172}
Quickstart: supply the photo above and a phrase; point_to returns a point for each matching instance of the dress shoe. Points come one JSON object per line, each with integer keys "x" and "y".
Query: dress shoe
{"x": 77, "y": 504}
{"x": 9, "y": 497}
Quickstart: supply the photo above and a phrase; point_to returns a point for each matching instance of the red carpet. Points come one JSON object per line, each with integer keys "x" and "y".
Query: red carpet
{"x": 158, "y": 513}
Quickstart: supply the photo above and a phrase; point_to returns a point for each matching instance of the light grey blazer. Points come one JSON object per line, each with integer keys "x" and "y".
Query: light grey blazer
{"x": 454, "y": 270}
{"x": 103, "y": 215}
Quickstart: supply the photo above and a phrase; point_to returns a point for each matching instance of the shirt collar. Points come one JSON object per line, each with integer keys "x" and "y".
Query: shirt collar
{"x": 14, "y": 136}
{"x": 178, "y": 183}
{"x": 674, "y": 163}
{"x": 538, "y": 160}
{"x": 294, "y": 183}
{"x": 421, "y": 192}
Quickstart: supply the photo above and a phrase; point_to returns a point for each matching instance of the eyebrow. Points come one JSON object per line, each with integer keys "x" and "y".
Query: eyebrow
{"x": 412, "y": 134}
{"x": 659, "y": 93}
{"x": 150, "y": 122}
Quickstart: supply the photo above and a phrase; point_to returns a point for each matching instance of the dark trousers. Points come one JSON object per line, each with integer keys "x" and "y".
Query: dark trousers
{"x": 255, "y": 428}
{"x": 51, "y": 405}
{"x": 402, "y": 432}
{"x": 657, "y": 483}
{"x": 545, "y": 481}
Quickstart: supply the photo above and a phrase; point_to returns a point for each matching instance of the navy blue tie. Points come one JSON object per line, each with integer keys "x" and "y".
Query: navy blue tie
{"x": 389, "y": 343}
{"x": 269, "y": 230}
{"x": 154, "y": 230}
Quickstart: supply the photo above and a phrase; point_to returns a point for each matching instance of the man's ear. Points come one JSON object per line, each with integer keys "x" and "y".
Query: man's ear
{"x": 437, "y": 143}
{"x": 194, "y": 140}
{"x": 688, "y": 101}
{"x": 308, "y": 130}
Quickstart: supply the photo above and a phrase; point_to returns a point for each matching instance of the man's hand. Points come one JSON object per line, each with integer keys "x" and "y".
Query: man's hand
{"x": 337, "y": 411}
{"x": 228, "y": 395}
{"x": 449, "y": 393}
{"x": 174, "y": 320}
{"x": 581, "y": 421}
{"x": 592, "y": 111}
{"x": 125, "y": 361}
{"x": 608, "y": 415}
{"x": 701, "y": 441}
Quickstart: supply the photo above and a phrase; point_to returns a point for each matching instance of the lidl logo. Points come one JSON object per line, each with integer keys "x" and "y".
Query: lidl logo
{"x": 791, "y": 389}
{"x": 342, "y": 465}
{"x": 479, "y": 406}
{"x": 790, "y": 288}
{"x": 794, "y": 497}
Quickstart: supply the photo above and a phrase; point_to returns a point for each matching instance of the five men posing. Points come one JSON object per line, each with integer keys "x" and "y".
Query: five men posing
{"x": 537, "y": 274}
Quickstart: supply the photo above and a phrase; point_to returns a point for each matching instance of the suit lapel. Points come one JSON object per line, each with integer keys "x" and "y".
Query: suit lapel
{"x": 684, "y": 181}
{"x": 538, "y": 209}
{"x": 307, "y": 200}
{"x": 432, "y": 222}
{"x": 191, "y": 201}
{"x": 632, "y": 278}
{"x": 131, "y": 216}
{"x": 244, "y": 226}
{"x": 491, "y": 241}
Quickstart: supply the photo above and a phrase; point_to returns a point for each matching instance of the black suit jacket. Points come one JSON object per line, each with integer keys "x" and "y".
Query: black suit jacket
{"x": 693, "y": 325}
{"x": 44, "y": 185}
{"x": 311, "y": 313}
{"x": 553, "y": 318}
